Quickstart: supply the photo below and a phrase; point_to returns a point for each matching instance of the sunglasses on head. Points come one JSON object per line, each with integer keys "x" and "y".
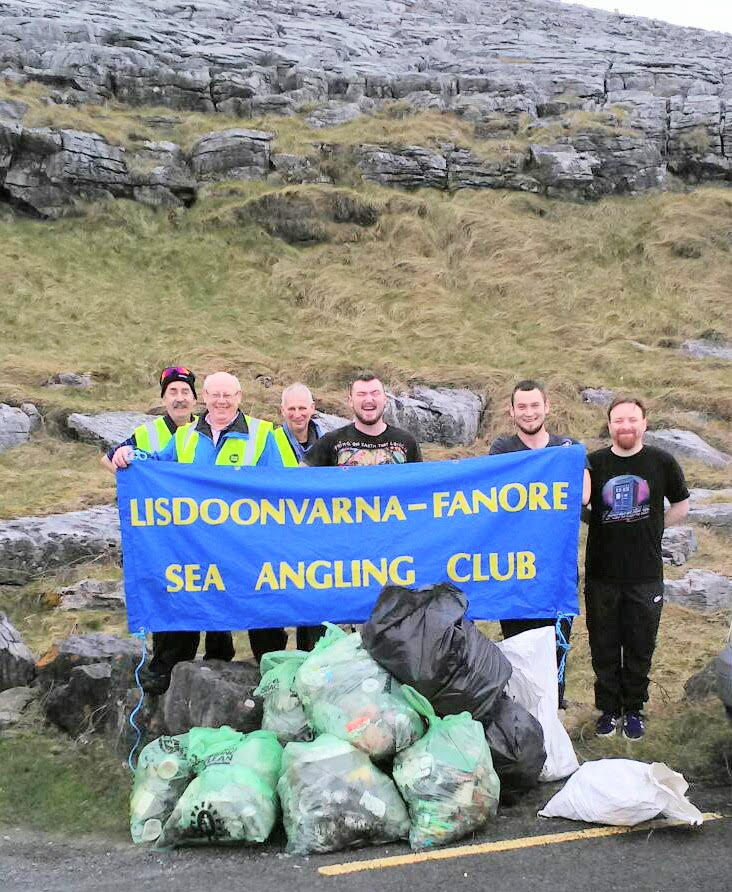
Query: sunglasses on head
{"x": 173, "y": 370}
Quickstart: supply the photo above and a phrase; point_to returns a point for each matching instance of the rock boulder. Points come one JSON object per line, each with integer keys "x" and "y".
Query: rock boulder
{"x": 437, "y": 415}
{"x": 701, "y": 590}
{"x": 15, "y": 427}
{"x": 17, "y": 663}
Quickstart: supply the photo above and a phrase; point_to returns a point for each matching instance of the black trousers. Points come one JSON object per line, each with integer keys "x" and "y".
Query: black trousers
{"x": 264, "y": 641}
{"x": 511, "y": 627}
{"x": 622, "y": 623}
{"x": 170, "y": 648}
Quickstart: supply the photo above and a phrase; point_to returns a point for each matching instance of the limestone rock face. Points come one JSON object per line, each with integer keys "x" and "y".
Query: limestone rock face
{"x": 15, "y": 427}
{"x": 212, "y": 693}
{"x": 686, "y": 444}
{"x": 92, "y": 594}
{"x": 437, "y": 415}
{"x": 678, "y": 544}
{"x": 706, "y": 349}
{"x": 105, "y": 428}
{"x": 232, "y": 154}
{"x": 17, "y": 663}
{"x": 122, "y": 654}
{"x": 700, "y": 589}
{"x": 30, "y": 545}
{"x": 13, "y": 703}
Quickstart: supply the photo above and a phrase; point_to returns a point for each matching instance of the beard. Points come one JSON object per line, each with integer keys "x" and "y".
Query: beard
{"x": 627, "y": 441}
{"x": 368, "y": 421}
{"x": 530, "y": 429}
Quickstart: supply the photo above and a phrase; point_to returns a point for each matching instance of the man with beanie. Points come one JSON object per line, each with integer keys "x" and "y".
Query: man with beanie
{"x": 178, "y": 391}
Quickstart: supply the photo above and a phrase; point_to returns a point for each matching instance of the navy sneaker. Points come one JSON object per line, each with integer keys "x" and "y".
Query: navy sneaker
{"x": 633, "y": 726}
{"x": 607, "y": 724}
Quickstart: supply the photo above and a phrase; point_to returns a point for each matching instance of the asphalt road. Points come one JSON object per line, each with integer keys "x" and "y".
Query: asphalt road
{"x": 659, "y": 860}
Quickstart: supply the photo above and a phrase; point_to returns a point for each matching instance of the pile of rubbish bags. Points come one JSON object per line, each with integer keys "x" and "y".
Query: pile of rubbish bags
{"x": 411, "y": 728}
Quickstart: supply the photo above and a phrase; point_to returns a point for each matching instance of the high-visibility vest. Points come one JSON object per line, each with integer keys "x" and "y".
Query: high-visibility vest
{"x": 235, "y": 451}
{"x": 152, "y": 436}
{"x": 289, "y": 459}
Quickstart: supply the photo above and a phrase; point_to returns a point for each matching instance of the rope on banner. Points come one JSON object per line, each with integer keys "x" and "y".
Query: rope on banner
{"x": 138, "y": 731}
{"x": 562, "y": 642}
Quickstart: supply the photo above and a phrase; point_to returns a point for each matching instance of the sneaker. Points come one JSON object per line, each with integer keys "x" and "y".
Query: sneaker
{"x": 607, "y": 724}
{"x": 155, "y": 683}
{"x": 633, "y": 726}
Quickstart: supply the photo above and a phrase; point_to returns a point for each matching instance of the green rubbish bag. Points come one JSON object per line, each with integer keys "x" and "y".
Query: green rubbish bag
{"x": 283, "y": 711}
{"x": 333, "y": 797}
{"x": 446, "y": 778}
{"x": 346, "y": 693}
{"x": 163, "y": 772}
{"x": 233, "y": 798}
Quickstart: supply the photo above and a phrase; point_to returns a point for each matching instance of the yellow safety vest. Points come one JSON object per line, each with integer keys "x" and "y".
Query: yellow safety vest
{"x": 235, "y": 451}
{"x": 152, "y": 436}
{"x": 289, "y": 459}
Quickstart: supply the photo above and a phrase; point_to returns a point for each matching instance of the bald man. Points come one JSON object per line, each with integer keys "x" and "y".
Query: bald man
{"x": 224, "y": 436}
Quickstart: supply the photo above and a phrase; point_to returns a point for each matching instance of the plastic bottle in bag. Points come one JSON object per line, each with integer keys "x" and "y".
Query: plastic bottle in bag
{"x": 283, "y": 712}
{"x": 446, "y": 778}
{"x": 163, "y": 772}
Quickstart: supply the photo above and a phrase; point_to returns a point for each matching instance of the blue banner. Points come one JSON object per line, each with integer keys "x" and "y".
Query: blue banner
{"x": 216, "y": 548}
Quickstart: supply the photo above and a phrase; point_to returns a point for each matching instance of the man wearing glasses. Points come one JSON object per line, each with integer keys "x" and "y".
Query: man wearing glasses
{"x": 222, "y": 436}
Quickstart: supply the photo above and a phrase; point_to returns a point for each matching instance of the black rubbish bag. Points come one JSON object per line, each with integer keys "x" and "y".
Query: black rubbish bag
{"x": 516, "y": 740}
{"x": 422, "y": 638}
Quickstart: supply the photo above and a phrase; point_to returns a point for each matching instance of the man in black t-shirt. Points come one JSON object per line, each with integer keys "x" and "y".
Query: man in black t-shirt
{"x": 623, "y": 565}
{"x": 368, "y": 440}
{"x": 529, "y": 408}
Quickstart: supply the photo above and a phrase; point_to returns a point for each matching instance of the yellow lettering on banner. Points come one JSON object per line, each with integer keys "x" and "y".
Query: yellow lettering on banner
{"x": 394, "y": 509}
{"x": 179, "y": 518}
{"x": 504, "y": 501}
{"x": 173, "y": 575}
{"x": 559, "y": 491}
{"x": 135, "y": 520}
{"x": 312, "y": 579}
{"x": 483, "y": 500}
{"x": 319, "y": 512}
{"x": 236, "y": 512}
{"x": 525, "y": 565}
{"x": 297, "y": 514}
{"x": 365, "y": 509}
{"x": 220, "y": 511}
{"x": 189, "y": 578}
{"x": 409, "y": 577}
{"x": 164, "y": 517}
{"x": 296, "y": 577}
{"x": 452, "y": 568}
{"x": 537, "y": 496}
{"x": 459, "y": 503}
{"x": 439, "y": 501}
{"x": 267, "y": 577}
{"x": 491, "y": 566}
{"x": 342, "y": 510}
{"x": 277, "y": 514}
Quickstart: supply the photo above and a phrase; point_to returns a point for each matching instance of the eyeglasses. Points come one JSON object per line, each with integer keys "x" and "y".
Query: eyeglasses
{"x": 228, "y": 397}
{"x": 173, "y": 370}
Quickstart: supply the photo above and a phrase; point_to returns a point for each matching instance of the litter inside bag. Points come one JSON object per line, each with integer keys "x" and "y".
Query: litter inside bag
{"x": 533, "y": 684}
{"x": 446, "y": 778}
{"x": 233, "y": 799}
{"x": 346, "y": 693}
{"x": 517, "y": 745}
{"x": 283, "y": 711}
{"x": 333, "y": 797}
{"x": 162, "y": 774}
{"x": 422, "y": 637}
{"x": 623, "y": 792}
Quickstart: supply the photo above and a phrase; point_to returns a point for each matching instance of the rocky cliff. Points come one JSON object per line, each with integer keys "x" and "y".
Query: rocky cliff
{"x": 568, "y": 100}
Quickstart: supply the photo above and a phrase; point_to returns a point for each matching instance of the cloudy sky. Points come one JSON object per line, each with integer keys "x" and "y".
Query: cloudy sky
{"x": 715, "y": 15}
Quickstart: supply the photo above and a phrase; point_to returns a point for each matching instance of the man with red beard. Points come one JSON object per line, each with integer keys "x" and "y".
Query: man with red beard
{"x": 623, "y": 565}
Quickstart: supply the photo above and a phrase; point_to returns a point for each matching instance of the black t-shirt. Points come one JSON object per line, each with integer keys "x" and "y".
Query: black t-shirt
{"x": 348, "y": 446}
{"x": 626, "y": 521}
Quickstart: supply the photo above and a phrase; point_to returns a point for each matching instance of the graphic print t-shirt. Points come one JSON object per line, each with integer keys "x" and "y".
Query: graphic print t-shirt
{"x": 626, "y": 521}
{"x": 348, "y": 446}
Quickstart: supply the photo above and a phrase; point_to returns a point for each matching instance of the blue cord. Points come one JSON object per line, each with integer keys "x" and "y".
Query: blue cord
{"x": 138, "y": 731}
{"x": 562, "y": 643}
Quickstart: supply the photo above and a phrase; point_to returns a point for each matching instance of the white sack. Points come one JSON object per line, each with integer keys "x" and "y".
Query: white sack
{"x": 533, "y": 684}
{"x": 623, "y": 792}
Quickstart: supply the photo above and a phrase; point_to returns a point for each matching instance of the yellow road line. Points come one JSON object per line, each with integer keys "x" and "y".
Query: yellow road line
{"x": 505, "y": 845}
